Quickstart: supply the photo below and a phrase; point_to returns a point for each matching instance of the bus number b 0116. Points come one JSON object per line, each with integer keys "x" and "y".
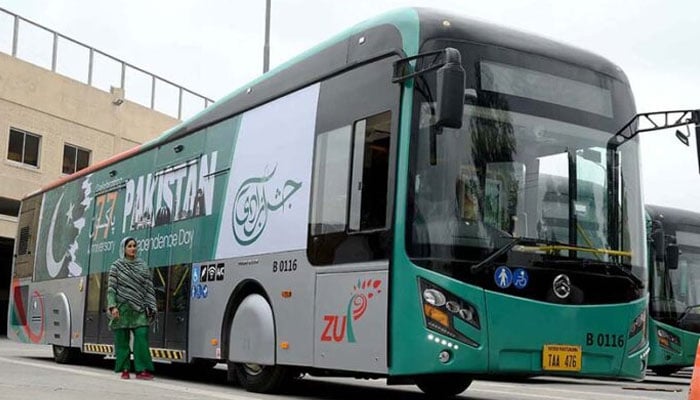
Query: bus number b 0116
{"x": 284, "y": 265}
{"x": 605, "y": 340}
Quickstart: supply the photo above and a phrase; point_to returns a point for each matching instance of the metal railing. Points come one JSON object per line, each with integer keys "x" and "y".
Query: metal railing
{"x": 195, "y": 101}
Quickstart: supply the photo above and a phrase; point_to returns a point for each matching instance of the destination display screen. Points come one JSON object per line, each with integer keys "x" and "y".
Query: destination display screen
{"x": 540, "y": 86}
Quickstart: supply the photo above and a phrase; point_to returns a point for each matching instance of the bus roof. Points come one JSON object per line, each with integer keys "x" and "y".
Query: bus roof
{"x": 673, "y": 216}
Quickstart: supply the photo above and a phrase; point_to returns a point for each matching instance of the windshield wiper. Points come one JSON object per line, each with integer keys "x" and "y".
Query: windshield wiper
{"x": 686, "y": 312}
{"x": 505, "y": 248}
{"x": 628, "y": 273}
{"x": 568, "y": 247}
{"x": 548, "y": 246}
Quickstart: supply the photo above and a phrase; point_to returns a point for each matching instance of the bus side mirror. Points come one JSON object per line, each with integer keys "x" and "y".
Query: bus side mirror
{"x": 450, "y": 91}
{"x": 658, "y": 239}
{"x": 672, "y": 253}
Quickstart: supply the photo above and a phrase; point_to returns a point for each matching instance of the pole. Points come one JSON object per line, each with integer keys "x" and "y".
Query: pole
{"x": 266, "y": 50}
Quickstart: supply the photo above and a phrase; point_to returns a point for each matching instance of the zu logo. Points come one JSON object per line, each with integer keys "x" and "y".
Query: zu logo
{"x": 339, "y": 327}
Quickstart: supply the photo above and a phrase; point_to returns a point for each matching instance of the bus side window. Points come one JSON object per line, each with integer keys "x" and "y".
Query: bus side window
{"x": 352, "y": 187}
{"x": 370, "y": 173}
{"x": 331, "y": 169}
{"x": 350, "y": 192}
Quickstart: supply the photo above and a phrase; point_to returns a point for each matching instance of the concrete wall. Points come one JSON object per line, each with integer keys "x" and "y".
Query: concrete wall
{"x": 63, "y": 111}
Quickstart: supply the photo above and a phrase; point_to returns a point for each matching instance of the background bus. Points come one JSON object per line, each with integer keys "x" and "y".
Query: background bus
{"x": 674, "y": 284}
{"x": 373, "y": 208}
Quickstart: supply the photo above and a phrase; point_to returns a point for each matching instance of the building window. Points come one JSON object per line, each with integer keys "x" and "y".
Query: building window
{"x": 74, "y": 159}
{"x": 23, "y": 147}
{"x": 9, "y": 207}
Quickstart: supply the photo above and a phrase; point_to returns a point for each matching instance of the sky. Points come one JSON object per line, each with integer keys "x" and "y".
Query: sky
{"x": 213, "y": 47}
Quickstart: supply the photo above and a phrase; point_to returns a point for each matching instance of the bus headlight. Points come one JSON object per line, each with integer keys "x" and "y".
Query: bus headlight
{"x": 668, "y": 340}
{"x": 441, "y": 308}
{"x": 639, "y": 324}
{"x": 434, "y": 297}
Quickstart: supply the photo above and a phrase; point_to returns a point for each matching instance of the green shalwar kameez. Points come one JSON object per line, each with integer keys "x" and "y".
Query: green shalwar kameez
{"x": 124, "y": 276}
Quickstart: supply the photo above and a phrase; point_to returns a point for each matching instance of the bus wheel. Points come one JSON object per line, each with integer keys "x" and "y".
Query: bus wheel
{"x": 443, "y": 385}
{"x": 65, "y": 355}
{"x": 261, "y": 378}
{"x": 665, "y": 370}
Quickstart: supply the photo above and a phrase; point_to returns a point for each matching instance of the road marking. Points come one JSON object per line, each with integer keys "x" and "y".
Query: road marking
{"x": 537, "y": 396}
{"x": 225, "y": 396}
{"x": 578, "y": 392}
{"x": 52, "y": 367}
{"x": 203, "y": 393}
{"x": 653, "y": 388}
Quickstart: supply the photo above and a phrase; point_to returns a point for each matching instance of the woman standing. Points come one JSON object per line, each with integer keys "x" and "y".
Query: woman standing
{"x": 131, "y": 302}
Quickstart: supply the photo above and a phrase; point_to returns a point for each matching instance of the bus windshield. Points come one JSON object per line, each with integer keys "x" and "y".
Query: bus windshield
{"x": 676, "y": 293}
{"x": 518, "y": 169}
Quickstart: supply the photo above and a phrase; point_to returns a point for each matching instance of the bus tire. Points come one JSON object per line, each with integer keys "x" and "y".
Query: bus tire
{"x": 665, "y": 370}
{"x": 65, "y": 355}
{"x": 443, "y": 385}
{"x": 261, "y": 378}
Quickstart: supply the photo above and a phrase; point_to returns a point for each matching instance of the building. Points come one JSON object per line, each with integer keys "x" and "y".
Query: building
{"x": 52, "y": 125}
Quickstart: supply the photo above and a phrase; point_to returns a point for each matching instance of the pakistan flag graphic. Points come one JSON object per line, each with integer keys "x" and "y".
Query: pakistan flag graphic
{"x": 63, "y": 239}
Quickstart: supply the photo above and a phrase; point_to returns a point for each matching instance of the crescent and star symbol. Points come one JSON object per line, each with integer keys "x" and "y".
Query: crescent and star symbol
{"x": 52, "y": 266}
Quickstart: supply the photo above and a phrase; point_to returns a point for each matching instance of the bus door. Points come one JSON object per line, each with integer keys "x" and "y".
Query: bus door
{"x": 160, "y": 279}
{"x": 172, "y": 286}
{"x": 352, "y": 198}
{"x": 122, "y": 209}
{"x": 25, "y": 246}
{"x": 179, "y": 169}
{"x": 104, "y": 249}
{"x": 177, "y": 306}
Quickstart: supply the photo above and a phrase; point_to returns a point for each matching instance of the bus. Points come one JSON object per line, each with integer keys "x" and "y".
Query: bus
{"x": 371, "y": 208}
{"x": 674, "y": 286}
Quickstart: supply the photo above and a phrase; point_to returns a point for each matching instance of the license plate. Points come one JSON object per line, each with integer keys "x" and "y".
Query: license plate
{"x": 561, "y": 357}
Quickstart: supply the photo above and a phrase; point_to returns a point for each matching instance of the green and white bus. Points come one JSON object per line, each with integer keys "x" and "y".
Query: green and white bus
{"x": 371, "y": 208}
{"x": 674, "y": 284}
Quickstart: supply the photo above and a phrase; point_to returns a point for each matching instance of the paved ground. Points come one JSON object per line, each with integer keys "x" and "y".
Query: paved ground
{"x": 30, "y": 373}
